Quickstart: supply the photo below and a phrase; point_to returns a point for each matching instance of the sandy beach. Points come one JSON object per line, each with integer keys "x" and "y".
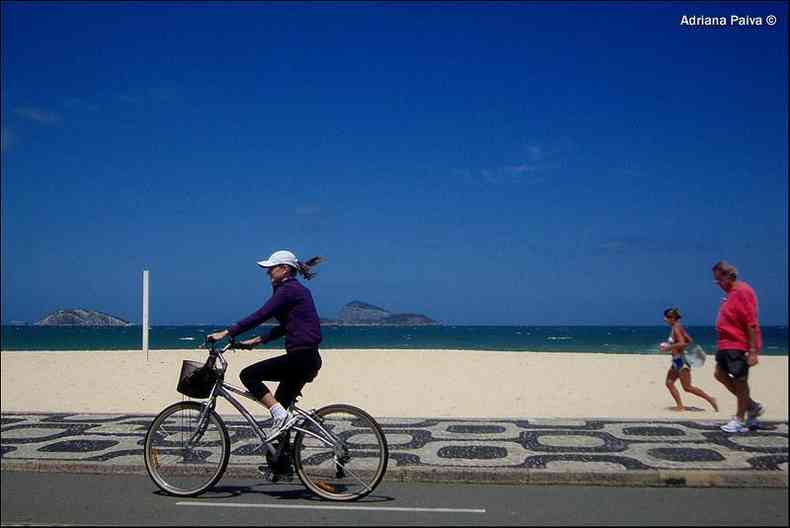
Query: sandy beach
{"x": 395, "y": 383}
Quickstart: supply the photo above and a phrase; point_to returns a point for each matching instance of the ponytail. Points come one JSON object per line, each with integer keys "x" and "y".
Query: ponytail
{"x": 305, "y": 268}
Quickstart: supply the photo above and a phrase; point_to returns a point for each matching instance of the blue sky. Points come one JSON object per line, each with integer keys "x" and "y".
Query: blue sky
{"x": 482, "y": 163}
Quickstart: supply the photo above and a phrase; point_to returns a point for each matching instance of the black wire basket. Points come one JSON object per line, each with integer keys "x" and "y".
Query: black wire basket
{"x": 196, "y": 379}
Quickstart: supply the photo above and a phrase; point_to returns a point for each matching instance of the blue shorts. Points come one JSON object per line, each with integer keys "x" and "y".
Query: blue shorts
{"x": 679, "y": 362}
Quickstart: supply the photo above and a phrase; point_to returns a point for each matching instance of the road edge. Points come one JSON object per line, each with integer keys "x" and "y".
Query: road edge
{"x": 630, "y": 478}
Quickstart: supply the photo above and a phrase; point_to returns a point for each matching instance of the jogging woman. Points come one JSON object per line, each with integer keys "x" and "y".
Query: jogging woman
{"x": 678, "y": 340}
{"x": 292, "y": 306}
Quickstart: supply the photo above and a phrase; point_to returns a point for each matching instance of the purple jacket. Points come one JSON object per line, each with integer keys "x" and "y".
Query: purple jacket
{"x": 292, "y": 305}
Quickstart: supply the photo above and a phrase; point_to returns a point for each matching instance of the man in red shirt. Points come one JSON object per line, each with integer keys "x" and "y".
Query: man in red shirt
{"x": 738, "y": 345}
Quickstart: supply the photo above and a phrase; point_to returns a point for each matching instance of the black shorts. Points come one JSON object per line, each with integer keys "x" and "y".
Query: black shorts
{"x": 293, "y": 370}
{"x": 733, "y": 362}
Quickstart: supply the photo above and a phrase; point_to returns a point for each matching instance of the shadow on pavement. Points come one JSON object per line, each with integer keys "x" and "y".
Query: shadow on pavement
{"x": 297, "y": 492}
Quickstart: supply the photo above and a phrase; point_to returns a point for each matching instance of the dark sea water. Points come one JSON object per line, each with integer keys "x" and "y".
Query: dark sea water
{"x": 592, "y": 339}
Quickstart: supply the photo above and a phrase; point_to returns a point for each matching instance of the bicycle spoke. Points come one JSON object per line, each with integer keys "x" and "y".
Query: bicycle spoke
{"x": 177, "y": 466}
{"x": 350, "y": 462}
{"x": 364, "y": 484}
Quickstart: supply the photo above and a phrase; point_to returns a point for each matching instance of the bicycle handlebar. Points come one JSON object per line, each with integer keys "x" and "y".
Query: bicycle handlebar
{"x": 214, "y": 350}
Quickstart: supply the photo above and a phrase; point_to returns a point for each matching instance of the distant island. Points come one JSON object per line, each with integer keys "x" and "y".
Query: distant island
{"x": 81, "y": 317}
{"x": 355, "y": 313}
{"x": 358, "y": 313}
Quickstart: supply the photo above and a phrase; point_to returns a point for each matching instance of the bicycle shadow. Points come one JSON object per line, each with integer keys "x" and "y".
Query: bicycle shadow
{"x": 294, "y": 492}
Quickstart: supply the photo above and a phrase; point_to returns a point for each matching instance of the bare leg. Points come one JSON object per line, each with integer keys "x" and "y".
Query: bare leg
{"x": 732, "y": 386}
{"x": 268, "y": 400}
{"x": 685, "y": 379}
{"x": 742, "y": 393}
{"x": 725, "y": 380}
{"x": 672, "y": 376}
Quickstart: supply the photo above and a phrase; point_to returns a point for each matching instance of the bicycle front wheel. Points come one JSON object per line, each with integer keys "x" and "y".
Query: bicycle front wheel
{"x": 180, "y": 458}
{"x": 345, "y": 458}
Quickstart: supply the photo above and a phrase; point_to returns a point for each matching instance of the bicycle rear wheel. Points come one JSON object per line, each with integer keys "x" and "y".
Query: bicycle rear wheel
{"x": 350, "y": 462}
{"x": 174, "y": 465}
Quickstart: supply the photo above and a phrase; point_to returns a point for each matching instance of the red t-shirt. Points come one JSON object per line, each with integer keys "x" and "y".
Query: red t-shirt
{"x": 738, "y": 311}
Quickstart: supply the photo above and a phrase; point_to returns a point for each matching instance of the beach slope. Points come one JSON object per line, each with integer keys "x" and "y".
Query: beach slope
{"x": 395, "y": 383}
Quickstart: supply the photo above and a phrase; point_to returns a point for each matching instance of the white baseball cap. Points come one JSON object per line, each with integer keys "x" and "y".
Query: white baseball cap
{"x": 280, "y": 257}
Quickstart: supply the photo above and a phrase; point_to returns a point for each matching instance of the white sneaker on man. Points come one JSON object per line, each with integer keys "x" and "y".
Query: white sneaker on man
{"x": 735, "y": 426}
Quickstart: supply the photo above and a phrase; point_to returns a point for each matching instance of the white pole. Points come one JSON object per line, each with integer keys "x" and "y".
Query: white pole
{"x": 145, "y": 313}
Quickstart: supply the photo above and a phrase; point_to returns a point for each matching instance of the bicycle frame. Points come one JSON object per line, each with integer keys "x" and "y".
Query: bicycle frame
{"x": 226, "y": 391}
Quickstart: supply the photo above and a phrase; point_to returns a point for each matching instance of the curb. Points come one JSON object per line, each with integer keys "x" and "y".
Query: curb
{"x": 631, "y": 478}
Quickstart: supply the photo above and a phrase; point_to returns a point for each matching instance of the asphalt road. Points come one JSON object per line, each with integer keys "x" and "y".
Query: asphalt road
{"x": 54, "y": 498}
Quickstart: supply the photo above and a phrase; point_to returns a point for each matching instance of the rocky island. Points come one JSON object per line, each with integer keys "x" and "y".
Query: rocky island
{"x": 358, "y": 313}
{"x": 355, "y": 313}
{"x": 81, "y": 317}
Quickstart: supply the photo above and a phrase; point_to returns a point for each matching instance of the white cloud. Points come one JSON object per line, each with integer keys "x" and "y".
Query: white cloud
{"x": 38, "y": 115}
{"x": 538, "y": 160}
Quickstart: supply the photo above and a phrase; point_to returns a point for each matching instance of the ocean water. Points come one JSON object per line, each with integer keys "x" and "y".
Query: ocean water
{"x": 591, "y": 339}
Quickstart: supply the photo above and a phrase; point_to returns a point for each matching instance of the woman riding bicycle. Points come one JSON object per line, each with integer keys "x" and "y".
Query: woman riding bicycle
{"x": 292, "y": 305}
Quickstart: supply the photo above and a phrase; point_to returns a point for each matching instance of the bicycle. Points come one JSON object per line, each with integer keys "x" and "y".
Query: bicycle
{"x": 339, "y": 451}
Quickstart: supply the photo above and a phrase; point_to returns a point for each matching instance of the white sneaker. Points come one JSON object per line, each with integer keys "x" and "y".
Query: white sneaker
{"x": 281, "y": 423}
{"x": 735, "y": 426}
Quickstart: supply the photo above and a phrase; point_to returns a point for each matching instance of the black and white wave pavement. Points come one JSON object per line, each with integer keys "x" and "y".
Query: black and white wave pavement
{"x": 594, "y": 444}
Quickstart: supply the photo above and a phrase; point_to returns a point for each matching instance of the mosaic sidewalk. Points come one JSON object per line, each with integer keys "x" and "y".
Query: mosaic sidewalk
{"x": 528, "y": 450}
